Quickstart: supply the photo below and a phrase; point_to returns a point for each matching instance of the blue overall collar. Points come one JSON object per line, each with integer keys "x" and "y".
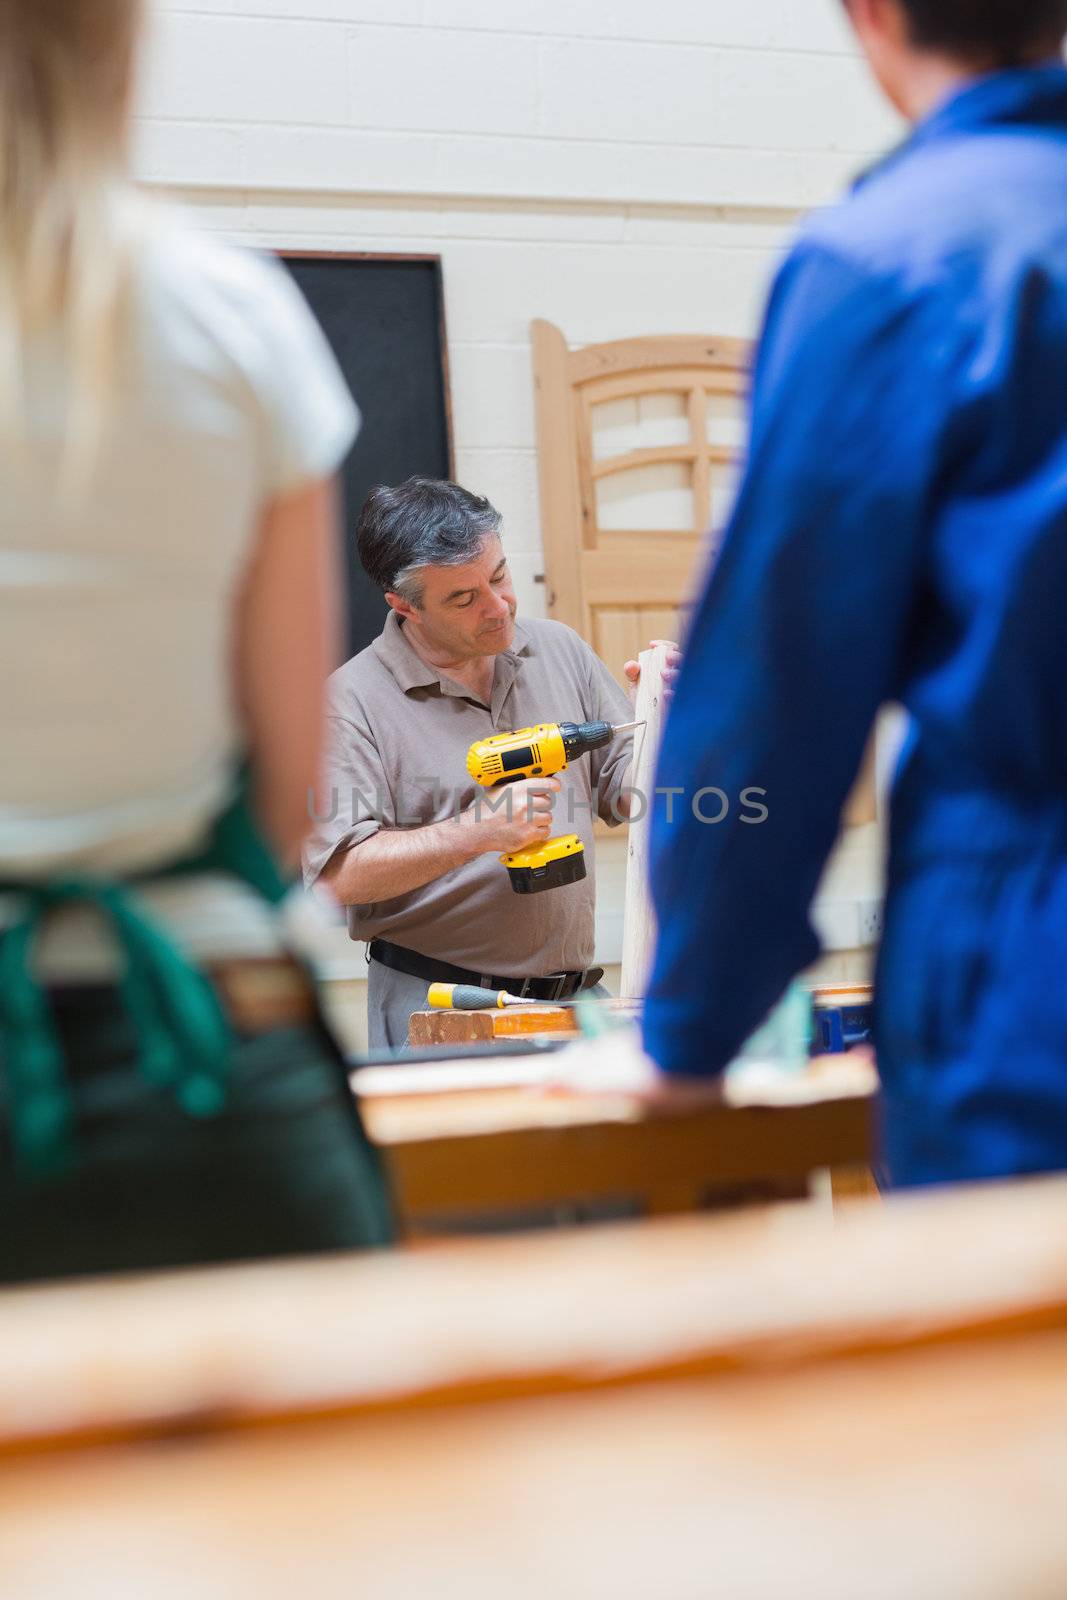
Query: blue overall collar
{"x": 1022, "y": 97}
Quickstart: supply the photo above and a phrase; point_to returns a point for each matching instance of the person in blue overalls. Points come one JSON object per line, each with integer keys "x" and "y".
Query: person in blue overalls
{"x": 901, "y": 534}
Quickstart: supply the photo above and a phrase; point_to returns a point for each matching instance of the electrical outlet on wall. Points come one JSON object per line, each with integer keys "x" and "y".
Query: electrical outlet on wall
{"x": 871, "y": 921}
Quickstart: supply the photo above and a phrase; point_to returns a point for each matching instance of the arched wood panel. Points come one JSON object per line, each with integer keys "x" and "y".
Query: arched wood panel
{"x": 617, "y": 580}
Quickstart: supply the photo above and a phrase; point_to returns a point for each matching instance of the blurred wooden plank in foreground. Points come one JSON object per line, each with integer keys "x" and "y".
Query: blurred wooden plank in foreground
{"x": 672, "y": 1414}
{"x": 508, "y": 1317}
{"x": 932, "y": 1475}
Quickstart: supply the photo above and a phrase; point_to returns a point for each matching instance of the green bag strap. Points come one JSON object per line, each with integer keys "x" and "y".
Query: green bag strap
{"x": 236, "y": 846}
{"x": 183, "y": 1034}
{"x": 183, "y": 1030}
{"x": 42, "y": 1116}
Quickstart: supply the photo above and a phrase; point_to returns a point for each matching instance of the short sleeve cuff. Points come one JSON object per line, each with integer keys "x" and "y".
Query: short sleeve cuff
{"x": 318, "y": 447}
{"x": 317, "y": 857}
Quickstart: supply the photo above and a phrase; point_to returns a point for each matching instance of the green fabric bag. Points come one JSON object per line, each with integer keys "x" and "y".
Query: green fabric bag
{"x": 142, "y": 1131}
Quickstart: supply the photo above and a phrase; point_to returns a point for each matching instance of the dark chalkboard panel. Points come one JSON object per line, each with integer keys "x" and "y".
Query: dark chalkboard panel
{"x": 384, "y": 317}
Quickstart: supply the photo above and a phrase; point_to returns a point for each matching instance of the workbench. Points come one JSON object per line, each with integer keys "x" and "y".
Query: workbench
{"x": 753, "y": 1406}
{"x": 491, "y": 1141}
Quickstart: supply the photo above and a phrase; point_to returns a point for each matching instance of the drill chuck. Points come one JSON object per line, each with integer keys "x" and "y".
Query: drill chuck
{"x": 581, "y": 738}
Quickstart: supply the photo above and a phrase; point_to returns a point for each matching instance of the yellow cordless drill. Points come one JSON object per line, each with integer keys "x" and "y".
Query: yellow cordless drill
{"x": 540, "y": 753}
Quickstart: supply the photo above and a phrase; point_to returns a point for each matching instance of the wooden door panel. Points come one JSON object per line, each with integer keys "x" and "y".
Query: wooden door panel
{"x": 653, "y": 571}
{"x": 620, "y": 634}
{"x": 663, "y": 421}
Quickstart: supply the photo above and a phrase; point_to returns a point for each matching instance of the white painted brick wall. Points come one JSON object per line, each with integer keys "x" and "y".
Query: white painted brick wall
{"x": 618, "y": 166}
{"x": 246, "y": 70}
{"x": 701, "y": 101}
{"x": 437, "y": 79}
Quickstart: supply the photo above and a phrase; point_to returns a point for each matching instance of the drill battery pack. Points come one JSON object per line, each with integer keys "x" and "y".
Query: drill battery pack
{"x": 547, "y": 866}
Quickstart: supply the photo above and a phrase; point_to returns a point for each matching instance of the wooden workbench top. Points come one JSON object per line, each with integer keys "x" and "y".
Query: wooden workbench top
{"x": 497, "y": 1137}
{"x": 448, "y": 1099}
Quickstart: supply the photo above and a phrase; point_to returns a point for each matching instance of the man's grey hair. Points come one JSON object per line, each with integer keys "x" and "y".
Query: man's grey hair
{"x": 424, "y": 522}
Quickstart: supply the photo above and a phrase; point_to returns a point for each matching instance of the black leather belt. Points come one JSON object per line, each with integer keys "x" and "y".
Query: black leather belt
{"x": 557, "y": 986}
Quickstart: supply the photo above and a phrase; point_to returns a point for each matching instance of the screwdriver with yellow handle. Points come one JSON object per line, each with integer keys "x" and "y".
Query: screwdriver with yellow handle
{"x": 468, "y": 997}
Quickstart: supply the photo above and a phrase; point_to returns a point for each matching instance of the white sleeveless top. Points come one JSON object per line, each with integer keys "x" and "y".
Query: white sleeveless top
{"x": 118, "y": 728}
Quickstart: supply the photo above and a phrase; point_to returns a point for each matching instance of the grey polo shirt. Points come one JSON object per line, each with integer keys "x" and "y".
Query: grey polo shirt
{"x": 398, "y": 735}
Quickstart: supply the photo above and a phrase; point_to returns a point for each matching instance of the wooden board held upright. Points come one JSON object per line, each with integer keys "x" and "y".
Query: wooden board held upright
{"x": 639, "y": 923}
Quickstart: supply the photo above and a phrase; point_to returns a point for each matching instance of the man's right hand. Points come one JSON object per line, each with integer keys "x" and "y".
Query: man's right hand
{"x": 513, "y": 816}
{"x": 394, "y": 861}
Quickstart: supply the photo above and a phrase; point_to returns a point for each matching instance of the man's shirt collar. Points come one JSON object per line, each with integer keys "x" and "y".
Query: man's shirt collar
{"x": 412, "y": 672}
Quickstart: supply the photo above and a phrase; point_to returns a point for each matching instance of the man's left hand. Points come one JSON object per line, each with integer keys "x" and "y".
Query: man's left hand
{"x": 632, "y": 669}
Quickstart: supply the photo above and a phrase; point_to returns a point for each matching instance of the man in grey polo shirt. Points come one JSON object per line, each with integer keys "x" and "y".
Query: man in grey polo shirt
{"x": 402, "y": 842}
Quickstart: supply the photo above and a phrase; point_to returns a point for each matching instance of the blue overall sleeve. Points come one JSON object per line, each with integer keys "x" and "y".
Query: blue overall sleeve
{"x": 793, "y": 646}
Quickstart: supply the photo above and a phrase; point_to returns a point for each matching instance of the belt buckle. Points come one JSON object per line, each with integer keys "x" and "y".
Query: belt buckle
{"x": 559, "y": 983}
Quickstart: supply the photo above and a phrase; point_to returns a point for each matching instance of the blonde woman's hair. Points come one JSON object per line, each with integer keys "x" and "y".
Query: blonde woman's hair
{"x": 65, "y": 208}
